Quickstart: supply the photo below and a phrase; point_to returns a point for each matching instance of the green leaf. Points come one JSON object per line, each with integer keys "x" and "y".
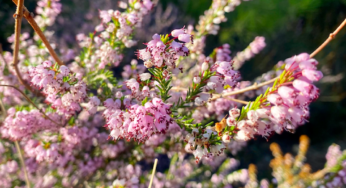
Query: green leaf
{"x": 72, "y": 120}
{"x": 144, "y": 101}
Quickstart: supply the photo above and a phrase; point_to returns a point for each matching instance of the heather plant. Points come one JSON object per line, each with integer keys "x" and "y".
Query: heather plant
{"x": 292, "y": 171}
{"x": 73, "y": 123}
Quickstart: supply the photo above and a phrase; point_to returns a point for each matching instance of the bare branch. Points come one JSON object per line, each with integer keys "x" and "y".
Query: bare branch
{"x": 28, "y": 99}
{"x": 30, "y": 18}
{"x": 330, "y": 38}
{"x": 17, "y": 29}
{"x": 253, "y": 87}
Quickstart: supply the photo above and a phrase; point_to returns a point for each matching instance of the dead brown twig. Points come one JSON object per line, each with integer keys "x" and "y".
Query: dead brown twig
{"x": 30, "y": 18}
{"x": 17, "y": 29}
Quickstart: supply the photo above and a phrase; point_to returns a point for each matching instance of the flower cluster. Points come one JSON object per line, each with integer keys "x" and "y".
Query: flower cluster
{"x": 164, "y": 52}
{"x": 254, "y": 48}
{"x": 225, "y": 76}
{"x": 114, "y": 32}
{"x": 208, "y": 23}
{"x": 223, "y": 53}
{"x": 201, "y": 141}
{"x": 139, "y": 122}
{"x": 169, "y": 114}
{"x": 62, "y": 89}
{"x": 22, "y": 124}
{"x": 131, "y": 71}
{"x": 284, "y": 106}
{"x": 47, "y": 11}
{"x": 336, "y": 163}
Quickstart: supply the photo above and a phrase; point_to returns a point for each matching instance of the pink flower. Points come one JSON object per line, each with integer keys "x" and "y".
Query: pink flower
{"x": 184, "y": 38}
{"x": 287, "y": 92}
{"x": 279, "y": 112}
{"x": 275, "y": 99}
{"x": 177, "y": 32}
{"x": 308, "y": 64}
{"x": 312, "y": 75}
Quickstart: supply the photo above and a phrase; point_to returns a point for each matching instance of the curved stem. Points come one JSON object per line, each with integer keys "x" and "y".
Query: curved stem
{"x": 17, "y": 30}
{"x": 231, "y": 99}
{"x": 238, "y": 101}
{"x": 330, "y": 38}
{"x": 21, "y": 158}
{"x": 30, "y": 18}
{"x": 28, "y": 99}
{"x": 253, "y": 87}
{"x": 257, "y": 86}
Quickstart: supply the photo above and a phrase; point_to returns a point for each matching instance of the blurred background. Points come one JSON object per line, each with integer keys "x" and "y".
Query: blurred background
{"x": 289, "y": 26}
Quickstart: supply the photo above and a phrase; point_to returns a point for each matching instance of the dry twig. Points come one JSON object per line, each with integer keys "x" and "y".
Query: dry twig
{"x": 30, "y": 18}
{"x": 253, "y": 87}
{"x": 28, "y": 99}
{"x": 330, "y": 38}
{"x": 17, "y": 30}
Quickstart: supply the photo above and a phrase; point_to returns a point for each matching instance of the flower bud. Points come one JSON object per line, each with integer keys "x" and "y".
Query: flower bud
{"x": 312, "y": 75}
{"x": 234, "y": 112}
{"x": 197, "y": 80}
{"x": 118, "y": 94}
{"x": 198, "y": 101}
{"x": 226, "y": 138}
{"x": 145, "y": 76}
{"x": 134, "y": 62}
{"x": 184, "y": 38}
{"x": 205, "y": 66}
{"x": 177, "y": 32}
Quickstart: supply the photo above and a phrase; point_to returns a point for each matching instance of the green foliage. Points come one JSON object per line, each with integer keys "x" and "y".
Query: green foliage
{"x": 164, "y": 85}
{"x": 104, "y": 80}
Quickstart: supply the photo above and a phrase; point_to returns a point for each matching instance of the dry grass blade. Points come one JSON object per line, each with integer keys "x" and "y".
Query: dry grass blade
{"x": 152, "y": 174}
{"x": 23, "y": 164}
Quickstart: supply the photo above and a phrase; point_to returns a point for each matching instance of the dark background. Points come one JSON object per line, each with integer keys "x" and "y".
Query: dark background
{"x": 289, "y": 26}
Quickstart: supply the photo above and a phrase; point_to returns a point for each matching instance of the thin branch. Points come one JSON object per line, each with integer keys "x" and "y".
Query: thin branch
{"x": 238, "y": 101}
{"x": 152, "y": 174}
{"x": 257, "y": 86}
{"x": 231, "y": 99}
{"x": 17, "y": 30}
{"x": 3, "y": 110}
{"x": 28, "y": 99}
{"x": 23, "y": 164}
{"x": 177, "y": 88}
{"x": 330, "y": 38}
{"x": 30, "y": 18}
{"x": 253, "y": 87}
